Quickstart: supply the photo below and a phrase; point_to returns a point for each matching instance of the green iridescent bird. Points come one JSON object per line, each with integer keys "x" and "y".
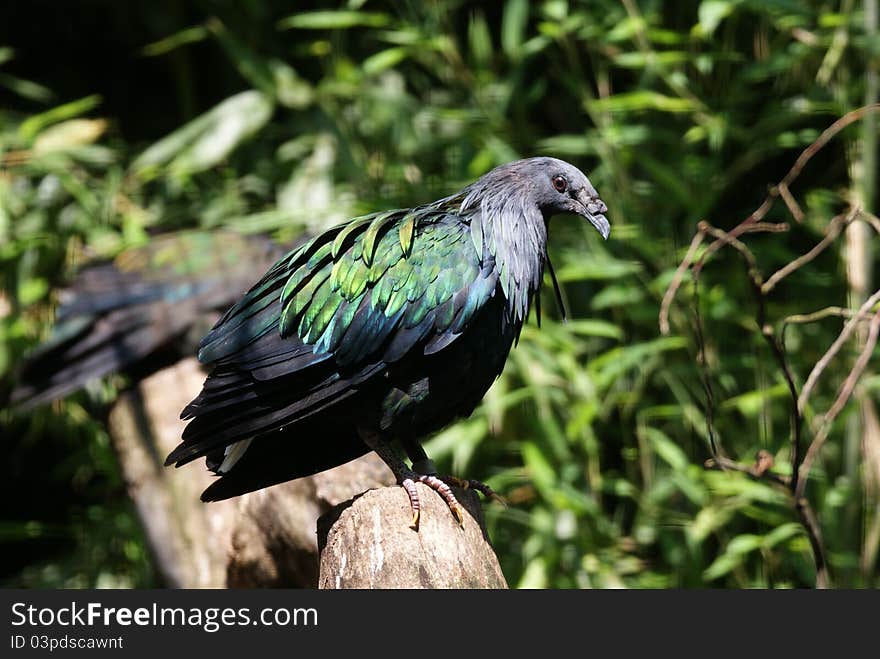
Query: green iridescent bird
{"x": 379, "y": 331}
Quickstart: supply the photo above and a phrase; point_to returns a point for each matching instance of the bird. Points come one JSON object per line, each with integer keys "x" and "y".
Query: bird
{"x": 378, "y": 332}
{"x": 140, "y": 311}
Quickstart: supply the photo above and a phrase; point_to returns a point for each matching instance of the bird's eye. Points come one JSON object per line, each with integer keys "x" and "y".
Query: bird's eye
{"x": 560, "y": 184}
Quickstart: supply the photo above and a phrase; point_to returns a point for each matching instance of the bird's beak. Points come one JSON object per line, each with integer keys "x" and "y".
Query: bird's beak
{"x": 594, "y": 210}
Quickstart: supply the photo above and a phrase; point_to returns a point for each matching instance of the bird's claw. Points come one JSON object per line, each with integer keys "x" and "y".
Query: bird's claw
{"x": 443, "y": 489}
{"x": 410, "y": 487}
{"x": 470, "y": 484}
{"x": 439, "y": 486}
{"x": 457, "y": 513}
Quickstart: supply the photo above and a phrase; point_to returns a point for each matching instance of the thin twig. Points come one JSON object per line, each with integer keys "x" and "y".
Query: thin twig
{"x": 769, "y": 336}
{"x": 794, "y": 172}
{"x": 823, "y": 139}
{"x": 782, "y": 189}
{"x": 793, "y": 483}
{"x": 754, "y": 470}
{"x": 796, "y": 420}
{"x": 728, "y": 236}
{"x": 13, "y": 158}
{"x": 767, "y": 227}
{"x": 796, "y": 483}
{"x": 840, "y": 402}
{"x": 804, "y": 318}
{"x": 841, "y": 339}
{"x": 793, "y": 207}
{"x": 814, "y": 533}
{"x": 836, "y": 225}
{"x": 676, "y": 281}
{"x": 821, "y": 314}
{"x": 705, "y": 375}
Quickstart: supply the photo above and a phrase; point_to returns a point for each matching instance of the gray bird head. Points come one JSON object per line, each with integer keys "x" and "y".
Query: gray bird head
{"x": 508, "y": 210}
{"x": 562, "y": 188}
{"x": 553, "y": 185}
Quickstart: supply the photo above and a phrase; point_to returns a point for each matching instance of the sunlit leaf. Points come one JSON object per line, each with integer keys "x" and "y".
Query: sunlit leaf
{"x": 25, "y": 88}
{"x": 480, "y": 39}
{"x": 711, "y": 13}
{"x": 640, "y": 101}
{"x": 69, "y": 134}
{"x": 174, "y": 41}
{"x": 751, "y": 402}
{"x": 211, "y": 137}
{"x": 36, "y": 123}
{"x": 383, "y": 60}
{"x": 333, "y": 20}
{"x": 733, "y": 556}
{"x": 513, "y": 26}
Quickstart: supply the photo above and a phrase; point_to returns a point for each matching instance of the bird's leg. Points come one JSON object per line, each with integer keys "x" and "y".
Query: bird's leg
{"x": 424, "y": 465}
{"x": 407, "y": 478}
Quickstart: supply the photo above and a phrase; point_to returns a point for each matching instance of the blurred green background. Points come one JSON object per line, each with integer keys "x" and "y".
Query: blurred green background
{"x": 122, "y": 120}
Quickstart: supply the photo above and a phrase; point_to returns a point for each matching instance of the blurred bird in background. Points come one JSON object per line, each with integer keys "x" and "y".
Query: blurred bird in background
{"x": 141, "y": 311}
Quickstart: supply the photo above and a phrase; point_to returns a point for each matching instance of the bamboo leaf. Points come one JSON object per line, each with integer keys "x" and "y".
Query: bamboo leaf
{"x": 333, "y": 20}
{"x": 32, "y": 126}
{"x": 513, "y": 27}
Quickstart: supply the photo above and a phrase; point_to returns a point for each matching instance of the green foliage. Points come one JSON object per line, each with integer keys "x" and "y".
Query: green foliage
{"x": 596, "y": 432}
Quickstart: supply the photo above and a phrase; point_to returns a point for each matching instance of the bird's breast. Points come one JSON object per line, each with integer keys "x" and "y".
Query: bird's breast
{"x": 425, "y": 396}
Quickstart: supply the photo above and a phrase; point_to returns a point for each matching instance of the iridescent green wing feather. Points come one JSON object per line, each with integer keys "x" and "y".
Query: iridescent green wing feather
{"x": 333, "y": 314}
{"x": 385, "y": 283}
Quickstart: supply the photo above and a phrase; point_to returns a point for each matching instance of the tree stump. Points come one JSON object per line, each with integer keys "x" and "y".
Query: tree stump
{"x": 367, "y": 542}
{"x": 261, "y": 539}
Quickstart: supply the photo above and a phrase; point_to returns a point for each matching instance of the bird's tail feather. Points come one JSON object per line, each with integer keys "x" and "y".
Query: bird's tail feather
{"x": 303, "y": 450}
{"x": 247, "y": 408}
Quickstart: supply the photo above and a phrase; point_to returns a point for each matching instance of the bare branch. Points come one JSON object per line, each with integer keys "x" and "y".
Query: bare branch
{"x": 821, "y": 314}
{"x": 760, "y": 470}
{"x": 727, "y": 238}
{"x": 871, "y": 219}
{"x": 705, "y": 374}
{"x": 801, "y": 505}
{"x": 834, "y": 228}
{"x": 841, "y": 339}
{"x": 674, "y": 285}
{"x": 803, "y": 318}
{"x": 850, "y": 382}
{"x": 782, "y": 189}
{"x": 814, "y": 533}
{"x": 754, "y": 222}
{"x": 840, "y": 402}
{"x": 767, "y": 227}
{"x": 793, "y": 207}
{"x": 823, "y": 139}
